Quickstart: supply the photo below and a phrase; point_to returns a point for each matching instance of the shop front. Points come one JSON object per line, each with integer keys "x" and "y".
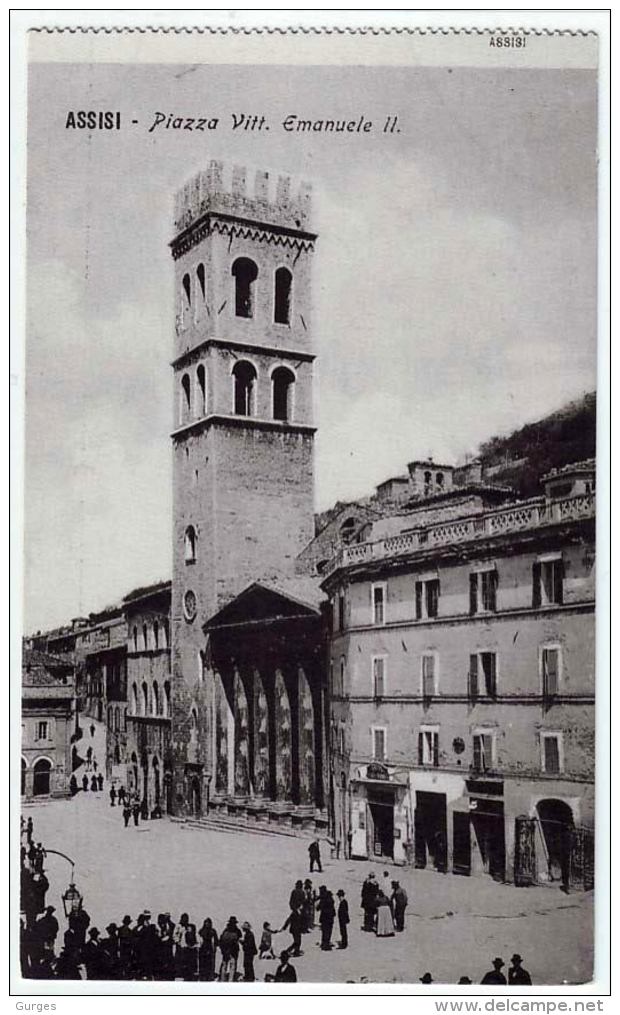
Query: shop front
{"x": 382, "y": 826}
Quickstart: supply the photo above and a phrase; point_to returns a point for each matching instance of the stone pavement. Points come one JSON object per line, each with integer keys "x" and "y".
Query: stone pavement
{"x": 455, "y": 925}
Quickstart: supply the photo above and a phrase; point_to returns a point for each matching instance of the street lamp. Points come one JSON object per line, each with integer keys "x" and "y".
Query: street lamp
{"x": 71, "y": 899}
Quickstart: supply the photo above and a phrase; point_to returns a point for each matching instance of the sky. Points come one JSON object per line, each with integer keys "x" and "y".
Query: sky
{"x": 454, "y": 284}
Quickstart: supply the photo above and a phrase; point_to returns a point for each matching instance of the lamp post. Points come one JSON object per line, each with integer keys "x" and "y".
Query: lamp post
{"x": 72, "y": 898}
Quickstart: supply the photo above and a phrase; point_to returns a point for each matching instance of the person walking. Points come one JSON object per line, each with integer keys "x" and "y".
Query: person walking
{"x": 73, "y": 786}
{"x": 89, "y": 756}
{"x": 29, "y": 830}
{"x": 206, "y": 951}
{"x": 265, "y": 950}
{"x": 79, "y": 922}
{"x": 314, "y": 852}
{"x": 517, "y": 975}
{"x": 294, "y": 924}
{"x": 370, "y": 890}
{"x": 285, "y": 973}
{"x": 93, "y": 784}
{"x": 121, "y": 795}
{"x": 92, "y": 729}
{"x": 100, "y": 781}
{"x": 495, "y": 975}
{"x": 248, "y": 944}
{"x": 112, "y": 796}
{"x": 135, "y": 810}
{"x": 95, "y": 766}
{"x": 85, "y": 782}
{"x": 327, "y": 914}
{"x": 343, "y": 918}
{"x": 126, "y": 813}
{"x": 385, "y": 923}
{"x": 399, "y": 905}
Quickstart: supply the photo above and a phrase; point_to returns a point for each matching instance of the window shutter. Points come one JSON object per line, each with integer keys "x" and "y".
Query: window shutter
{"x": 428, "y": 676}
{"x": 435, "y": 749}
{"x": 418, "y": 600}
{"x": 487, "y": 744}
{"x": 550, "y": 672}
{"x": 473, "y": 678}
{"x": 493, "y": 591}
{"x": 477, "y": 756}
{"x": 420, "y": 748}
{"x": 536, "y": 578}
{"x": 490, "y": 674}
{"x": 552, "y": 755}
{"x": 473, "y": 593}
{"x": 558, "y": 581}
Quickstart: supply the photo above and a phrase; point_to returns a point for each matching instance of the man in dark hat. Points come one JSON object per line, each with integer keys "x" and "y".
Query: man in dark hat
{"x": 125, "y": 948}
{"x": 135, "y": 810}
{"x": 294, "y": 923}
{"x": 297, "y": 896}
{"x": 370, "y": 890}
{"x": 285, "y": 973}
{"x": 464, "y": 980}
{"x": 399, "y": 904}
{"x": 427, "y": 978}
{"x": 79, "y": 922}
{"x": 314, "y": 852}
{"x": 92, "y": 957}
{"x": 229, "y": 947}
{"x": 495, "y": 975}
{"x": 343, "y": 918}
{"x": 517, "y": 975}
{"x": 327, "y": 913}
{"x": 46, "y": 928}
{"x": 248, "y": 945}
{"x": 85, "y": 782}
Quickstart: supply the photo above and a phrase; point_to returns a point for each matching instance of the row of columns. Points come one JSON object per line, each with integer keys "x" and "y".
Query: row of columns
{"x": 268, "y": 735}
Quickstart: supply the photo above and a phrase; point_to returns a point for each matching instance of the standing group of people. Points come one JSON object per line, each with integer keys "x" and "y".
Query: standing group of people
{"x": 304, "y": 905}
{"x": 384, "y": 905}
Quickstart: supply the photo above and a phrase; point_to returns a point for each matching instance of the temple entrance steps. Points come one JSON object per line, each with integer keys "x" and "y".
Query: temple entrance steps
{"x": 292, "y": 825}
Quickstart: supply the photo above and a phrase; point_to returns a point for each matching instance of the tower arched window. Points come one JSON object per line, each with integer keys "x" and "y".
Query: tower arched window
{"x": 201, "y": 390}
{"x": 167, "y": 698}
{"x": 135, "y": 639}
{"x": 439, "y": 478}
{"x": 202, "y": 285}
{"x": 145, "y": 637}
{"x": 187, "y": 291}
{"x": 282, "y": 296}
{"x": 134, "y": 699}
{"x": 144, "y": 709}
{"x": 244, "y": 376}
{"x": 156, "y": 634}
{"x": 245, "y": 273}
{"x": 282, "y": 381}
{"x": 190, "y": 544}
{"x": 186, "y": 399}
{"x": 156, "y": 699}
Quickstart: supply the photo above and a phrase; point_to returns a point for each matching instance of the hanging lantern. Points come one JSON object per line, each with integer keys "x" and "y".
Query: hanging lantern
{"x": 71, "y": 900}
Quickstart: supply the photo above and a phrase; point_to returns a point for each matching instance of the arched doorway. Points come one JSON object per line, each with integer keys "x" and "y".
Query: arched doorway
{"x": 556, "y": 825}
{"x": 41, "y": 778}
{"x": 195, "y": 797}
{"x": 24, "y": 767}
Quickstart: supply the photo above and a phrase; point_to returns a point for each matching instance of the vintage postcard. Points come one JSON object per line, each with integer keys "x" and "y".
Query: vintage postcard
{"x": 308, "y": 645}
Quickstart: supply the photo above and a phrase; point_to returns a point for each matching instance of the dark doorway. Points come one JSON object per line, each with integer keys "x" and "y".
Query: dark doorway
{"x": 461, "y": 856}
{"x": 24, "y": 766}
{"x": 488, "y": 826}
{"x": 431, "y": 846}
{"x": 556, "y": 824}
{"x": 381, "y": 824}
{"x": 41, "y": 778}
{"x": 168, "y": 791}
{"x": 195, "y": 801}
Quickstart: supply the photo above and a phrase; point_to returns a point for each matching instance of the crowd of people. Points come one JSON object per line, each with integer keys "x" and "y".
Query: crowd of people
{"x": 160, "y": 949}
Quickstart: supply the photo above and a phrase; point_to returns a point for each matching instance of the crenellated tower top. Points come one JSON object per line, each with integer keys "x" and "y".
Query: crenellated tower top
{"x": 258, "y": 196}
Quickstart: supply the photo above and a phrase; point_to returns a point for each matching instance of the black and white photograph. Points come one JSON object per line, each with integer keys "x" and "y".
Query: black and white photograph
{"x": 309, "y": 506}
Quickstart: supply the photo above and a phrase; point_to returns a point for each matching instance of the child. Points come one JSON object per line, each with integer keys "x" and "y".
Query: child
{"x": 265, "y": 950}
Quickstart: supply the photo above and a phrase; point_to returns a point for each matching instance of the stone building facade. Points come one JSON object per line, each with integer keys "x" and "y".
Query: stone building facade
{"x": 462, "y": 686}
{"x": 48, "y": 722}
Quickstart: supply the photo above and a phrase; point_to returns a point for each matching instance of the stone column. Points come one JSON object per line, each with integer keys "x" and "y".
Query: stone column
{"x": 283, "y": 739}
{"x": 261, "y": 738}
{"x": 224, "y": 738}
{"x": 306, "y": 751}
{"x": 241, "y": 738}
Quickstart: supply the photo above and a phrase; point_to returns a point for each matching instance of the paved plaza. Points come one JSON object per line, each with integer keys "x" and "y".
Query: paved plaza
{"x": 455, "y": 925}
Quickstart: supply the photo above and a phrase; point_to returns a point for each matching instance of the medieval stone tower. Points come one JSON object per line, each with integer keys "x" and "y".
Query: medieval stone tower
{"x": 243, "y": 429}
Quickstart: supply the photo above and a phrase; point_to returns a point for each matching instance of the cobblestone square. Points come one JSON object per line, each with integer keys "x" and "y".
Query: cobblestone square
{"x": 455, "y": 926}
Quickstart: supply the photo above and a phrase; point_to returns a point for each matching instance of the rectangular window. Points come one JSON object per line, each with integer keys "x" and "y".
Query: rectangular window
{"x": 550, "y": 671}
{"x": 426, "y": 598}
{"x": 482, "y": 677}
{"x": 378, "y": 604}
{"x": 552, "y": 753}
{"x": 429, "y": 675}
{"x": 379, "y": 667}
{"x": 42, "y": 731}
{"x": 483, "y": 591}
{"x": 548, "y": 582}
{"x": 428, "y": 746}
{"x": 378, "y": 743}
{"x": 483, "y": 752}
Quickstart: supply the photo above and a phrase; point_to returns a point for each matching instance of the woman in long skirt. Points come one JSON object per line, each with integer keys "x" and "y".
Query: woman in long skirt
{"x": 385, "y": 923}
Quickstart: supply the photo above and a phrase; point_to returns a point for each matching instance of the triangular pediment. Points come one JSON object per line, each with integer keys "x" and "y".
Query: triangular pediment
{"x": 260, "y": 603}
